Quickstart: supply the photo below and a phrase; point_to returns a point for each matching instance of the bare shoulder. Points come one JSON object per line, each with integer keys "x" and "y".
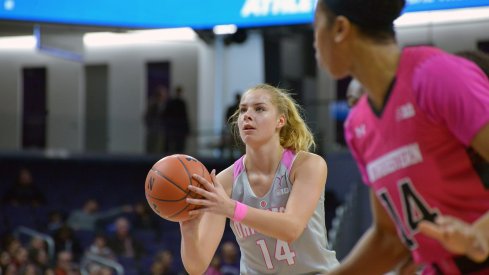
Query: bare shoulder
{"x": 226, "y": 178}
{"x": 308, "y": 158}
{"x": 307, "y": 163}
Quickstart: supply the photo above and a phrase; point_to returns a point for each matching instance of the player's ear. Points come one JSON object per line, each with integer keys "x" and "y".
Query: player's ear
{"x": 281, "y": 121}
{"x": 341, "y": 28}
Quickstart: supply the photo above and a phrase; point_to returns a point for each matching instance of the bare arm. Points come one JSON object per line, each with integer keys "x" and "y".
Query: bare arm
{"x": 482, "y": 227}
{"x": 308, "y": 178}
{"x": 379, "y": 250}
{"x": 201, "y": 235}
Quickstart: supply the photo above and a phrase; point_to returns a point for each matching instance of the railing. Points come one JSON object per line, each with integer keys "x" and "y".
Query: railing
{"x": 91, "y": 258}
{"x": 33, "y": 233}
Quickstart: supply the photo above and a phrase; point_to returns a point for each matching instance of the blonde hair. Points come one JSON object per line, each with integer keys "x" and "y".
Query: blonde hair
{"x": 295, "y": 134}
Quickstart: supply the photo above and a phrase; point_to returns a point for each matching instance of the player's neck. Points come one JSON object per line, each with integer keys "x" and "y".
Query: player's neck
{"x": 263, "y": 160}
{"x": 378, "y": 69}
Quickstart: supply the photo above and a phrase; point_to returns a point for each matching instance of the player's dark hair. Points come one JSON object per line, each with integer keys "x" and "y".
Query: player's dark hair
{"x": 478, "y": 57}
{"x": 374, "y": 18}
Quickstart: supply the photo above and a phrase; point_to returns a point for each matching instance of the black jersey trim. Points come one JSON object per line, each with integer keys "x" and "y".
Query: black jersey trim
{"x": 480, "y": 166}
{"x": 378, "y": 113}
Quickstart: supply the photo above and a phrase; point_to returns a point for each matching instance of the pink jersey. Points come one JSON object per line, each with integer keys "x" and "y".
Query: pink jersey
{"x": 414, "y": 154}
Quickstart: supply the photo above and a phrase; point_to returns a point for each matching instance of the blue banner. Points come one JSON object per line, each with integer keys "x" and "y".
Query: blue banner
{"x": 199, "y": 14}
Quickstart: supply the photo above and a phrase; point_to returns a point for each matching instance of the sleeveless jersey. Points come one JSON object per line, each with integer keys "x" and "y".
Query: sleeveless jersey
{"x": 414, "y": 154}
{"x": 261, "y": 254}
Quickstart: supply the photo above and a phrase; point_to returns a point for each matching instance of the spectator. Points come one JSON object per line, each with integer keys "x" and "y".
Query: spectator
{"x": 89, "y": 216}
{"x": 11, "y": 269}
{"x": 30, "y": 269}
{"x": 227, "y": 140}
{"x": 144, "y": 218}
{"x": 99, "y": 248}
{"x": 36, "y": 244}
{"x": 163, "y": 264}
{"x": 64, "y": 263}
{"x": 20, "y": 258}
{"x": 12, "y": 244}
{"x": 122, "y": 243}
{"x": 5, "y": 260}
{"x": 153, "y": 119}
{"x": 230, "y": 259}
{"x": 23, "y": 191}
{"x": 41, "y": 259}
{"x": 56, "y": 219}
{"x": 65, "y": 240}
{"x": 354, "y": 92}
{"x": 176, "y": 123}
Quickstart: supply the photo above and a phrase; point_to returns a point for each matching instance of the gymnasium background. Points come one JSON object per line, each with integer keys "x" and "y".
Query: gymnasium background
{"x": 73, "y": 94}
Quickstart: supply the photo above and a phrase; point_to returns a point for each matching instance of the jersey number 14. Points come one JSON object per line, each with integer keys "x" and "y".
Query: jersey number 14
{"x": 282, "y": 252}
{"x": 414, "y": 209}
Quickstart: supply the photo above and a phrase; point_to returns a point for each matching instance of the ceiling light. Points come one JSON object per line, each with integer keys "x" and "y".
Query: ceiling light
{"x": 138, "y": 37}
{"x": 224, "y": 29}
{"x": 18, "y": 42}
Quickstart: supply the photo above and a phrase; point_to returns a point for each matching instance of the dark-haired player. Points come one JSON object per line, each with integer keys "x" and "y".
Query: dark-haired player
{"x": 411, "y": 135}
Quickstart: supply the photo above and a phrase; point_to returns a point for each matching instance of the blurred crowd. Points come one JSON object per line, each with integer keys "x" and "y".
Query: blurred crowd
{"x": 91, "y": 240}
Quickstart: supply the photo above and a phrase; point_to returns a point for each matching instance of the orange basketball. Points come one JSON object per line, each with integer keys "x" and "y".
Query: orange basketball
{"x": 167, "y": 184}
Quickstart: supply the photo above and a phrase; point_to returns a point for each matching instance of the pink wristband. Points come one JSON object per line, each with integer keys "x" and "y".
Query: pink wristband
{"x": 240, "y": 211}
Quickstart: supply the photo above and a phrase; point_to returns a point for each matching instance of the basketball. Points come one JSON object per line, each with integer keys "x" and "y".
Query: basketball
{"x": 167, "y": 182}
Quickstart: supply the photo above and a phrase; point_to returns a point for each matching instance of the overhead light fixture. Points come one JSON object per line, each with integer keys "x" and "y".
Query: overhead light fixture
{"x": 224, "y": 29}
{"x": 442, "y": 16}
{"x": 18, "y": 42}
{"x": 100, "y": 39}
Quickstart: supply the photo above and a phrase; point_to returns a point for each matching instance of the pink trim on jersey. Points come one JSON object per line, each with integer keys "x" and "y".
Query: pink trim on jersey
{"x": 288, "y": 158}
{"x": 349, "y": 140}
{"x": 238, "y": 167}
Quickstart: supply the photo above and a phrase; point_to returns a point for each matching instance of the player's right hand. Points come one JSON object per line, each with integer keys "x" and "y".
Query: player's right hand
{"x": 457, "y": 237}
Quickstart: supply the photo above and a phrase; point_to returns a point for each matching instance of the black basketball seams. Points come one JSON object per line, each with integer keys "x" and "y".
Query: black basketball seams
{"x": 163, "y": 200}
{"x": 186, "y": 170}
{"x": 179, "y": 211}
{"x": 169, "y": 180}
{"x": 183, "y": 209}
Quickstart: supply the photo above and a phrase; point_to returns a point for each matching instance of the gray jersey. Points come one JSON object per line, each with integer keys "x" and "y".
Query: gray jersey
{"x": 261, "y": 254}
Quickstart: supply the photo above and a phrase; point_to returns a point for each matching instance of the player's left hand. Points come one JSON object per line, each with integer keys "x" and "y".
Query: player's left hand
{"x": 215, "y": 198}
{"x": 457, "y": 237}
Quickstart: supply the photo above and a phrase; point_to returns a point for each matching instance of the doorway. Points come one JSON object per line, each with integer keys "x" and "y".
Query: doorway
{"x": 34, "y": 111}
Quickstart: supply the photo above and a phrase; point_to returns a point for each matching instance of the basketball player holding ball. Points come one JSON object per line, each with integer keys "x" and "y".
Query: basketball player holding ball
{"x": 416, "y": 136}
{"x": 274, "y": 195}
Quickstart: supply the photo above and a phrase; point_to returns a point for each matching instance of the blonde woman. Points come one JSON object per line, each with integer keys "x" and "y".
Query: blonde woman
{"x": 274, "y": 195}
